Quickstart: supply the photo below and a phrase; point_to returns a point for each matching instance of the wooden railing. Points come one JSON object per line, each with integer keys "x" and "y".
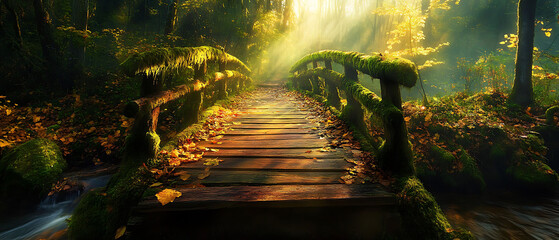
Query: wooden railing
{"x": 153, "y": 65}
{"x": 395, "y": 153}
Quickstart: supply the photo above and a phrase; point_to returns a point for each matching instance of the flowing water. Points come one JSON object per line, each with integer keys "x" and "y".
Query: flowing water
{"x": 49, "y": 217}
{"x": 504, "y": 216}
{"x": 498, "y": 216}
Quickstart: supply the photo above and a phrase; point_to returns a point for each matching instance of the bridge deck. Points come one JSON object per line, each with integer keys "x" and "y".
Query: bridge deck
{"x": 273, "y": 159}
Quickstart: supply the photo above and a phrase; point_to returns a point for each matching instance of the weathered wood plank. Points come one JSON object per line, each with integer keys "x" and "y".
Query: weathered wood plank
{"x": 277, "y": 164}
{"x": 273, "y": 196}
{"x": 269, "y": 137}
{"x": 273, "y": 116}
{"x": 268, "y": 144}
{"x": 224, "y": 178}
{"x": 274, "y": 153}
{"x": 266, "y": 131}
{"x": 274, "y": 126}
{"x": 271, "y": 121}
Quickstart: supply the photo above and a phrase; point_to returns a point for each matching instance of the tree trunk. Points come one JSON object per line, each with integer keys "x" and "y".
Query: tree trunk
{"x": 15, "y": 23}
{"x": 522, "y": 93}
{"x": 51, "y": 50}
{"x": 80, "y": 15}
{"x": 171, "y": 17}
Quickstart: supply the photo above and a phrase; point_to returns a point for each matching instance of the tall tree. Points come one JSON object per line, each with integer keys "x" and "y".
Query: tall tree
{"x": 171, "y": 17}
{"x": 51, "y": 50}
{"x": 80, "y": 17}
{"x": 522, "y": 92}
{"x": 10, "y": 6}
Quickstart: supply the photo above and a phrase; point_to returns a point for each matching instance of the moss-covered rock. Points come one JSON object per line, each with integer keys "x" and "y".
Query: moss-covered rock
{"x": 533, "y": 176}
{"x": 421, "y": 215}
{"x": 28, "y": 172}
{"x": 450, "y": 173}
{"x": 91, "y": 211}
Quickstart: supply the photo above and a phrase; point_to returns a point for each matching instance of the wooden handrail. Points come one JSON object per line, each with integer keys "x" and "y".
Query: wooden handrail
{"x": 395, "y": 153}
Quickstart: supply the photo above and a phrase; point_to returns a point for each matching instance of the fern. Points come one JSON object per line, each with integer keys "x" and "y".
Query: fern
{"x": 158, "y": 61}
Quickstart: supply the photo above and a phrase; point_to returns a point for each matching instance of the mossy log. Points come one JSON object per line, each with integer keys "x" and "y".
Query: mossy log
{"x": 396, "y": 70}
{"x": 161, "y": 60}
{"x": 550, "y": 115}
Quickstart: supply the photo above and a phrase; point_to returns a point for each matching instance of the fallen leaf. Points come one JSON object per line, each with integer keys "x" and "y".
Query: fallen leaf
{"x": 157, "y": 184}
{"x": 167, "y": 196}
{"x": 120, "y": 232}
{"x": 185, "y": 176}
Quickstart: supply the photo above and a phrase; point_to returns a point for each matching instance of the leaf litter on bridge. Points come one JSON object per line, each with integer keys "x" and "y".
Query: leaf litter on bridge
{"x": 363, "y": 167}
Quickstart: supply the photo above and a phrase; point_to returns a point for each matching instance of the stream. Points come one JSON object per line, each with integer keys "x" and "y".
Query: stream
{"x": 49, "y": 217}
{"x": 504, "y": 215}
{"x": 490, "y": 216}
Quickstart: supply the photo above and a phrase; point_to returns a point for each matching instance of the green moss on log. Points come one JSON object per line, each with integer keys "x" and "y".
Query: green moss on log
{"x": 161, "y": 60}
{"x": 421, "y": 215}
{"x": 28, "y": 172}
{"x": 398, "y": 70}
{"x": 550, "y": 115}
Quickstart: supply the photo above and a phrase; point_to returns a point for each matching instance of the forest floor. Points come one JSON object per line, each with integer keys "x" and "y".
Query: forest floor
{"x": 88, "y": 130}
{"x": 91, "y": 131}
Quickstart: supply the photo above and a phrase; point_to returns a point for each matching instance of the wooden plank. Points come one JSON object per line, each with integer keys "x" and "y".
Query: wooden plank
{"x": 274, "y": 116}
{"x": 266, "y": 131}
{"x": 268, "y": 144}
{"x": 273, "y": 196}
{"x": 277, "y": 164}
{"x": 270, "y": 121}
{"x": 269, "y": 137}
{"x": 274, "y": 153}
{"x": 224, "y": 178}
{"x": 274, "y": 126}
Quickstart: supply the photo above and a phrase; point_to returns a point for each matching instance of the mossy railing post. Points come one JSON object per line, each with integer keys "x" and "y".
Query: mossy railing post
{"x": 222, "y": 85}
{"x": 333, "y": 94}
{"x": 390, "y": 92}
{"x": 353, "y": 111}
{"x": 190, "y": 110}
{"x": 395, "y": 152}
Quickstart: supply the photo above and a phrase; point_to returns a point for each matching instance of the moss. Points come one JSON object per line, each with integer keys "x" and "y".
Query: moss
{"x": 401, "y": 71}
{"x": 161, "y": 60}
{"x": 28, "y": 172}
{"x": 91, "y": 211}
{"x": 550, "y": 115}
{"x": 441, "y": 158}
{"x": 533, "y": 176}
{"x": 469, "y": 178}
{"x": 421, "y": 215}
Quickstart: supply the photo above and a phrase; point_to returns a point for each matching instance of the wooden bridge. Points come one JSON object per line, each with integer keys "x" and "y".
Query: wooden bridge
{"x": 274, "y": 179}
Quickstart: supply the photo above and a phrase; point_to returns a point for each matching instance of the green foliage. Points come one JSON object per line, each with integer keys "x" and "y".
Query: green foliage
{"x": 398, "y": 70}
{"x": 158, "y": 61}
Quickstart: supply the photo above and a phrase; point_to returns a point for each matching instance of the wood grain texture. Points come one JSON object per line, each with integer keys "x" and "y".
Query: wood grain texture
{"x": 274, "y": 196}
{"x": 276, "y": 164}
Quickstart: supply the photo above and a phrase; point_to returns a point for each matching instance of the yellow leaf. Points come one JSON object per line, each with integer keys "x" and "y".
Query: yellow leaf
{"x": 428, "y": 117}
{"x": 156, "y": 184}
{"x": 167, "y": 196}
{"x": 548, "y": 34}
{"x": 175, "y": 153}
{"x": 185, "y": 176}
{"x": 8, "y": 112}
{"x": 4, "y": 143}
{"x": 120, "y": 232}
